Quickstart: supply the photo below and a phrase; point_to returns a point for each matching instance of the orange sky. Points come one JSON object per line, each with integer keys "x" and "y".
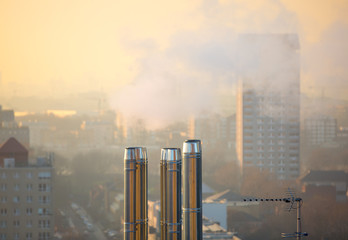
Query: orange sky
{"x": 57, "y": 47}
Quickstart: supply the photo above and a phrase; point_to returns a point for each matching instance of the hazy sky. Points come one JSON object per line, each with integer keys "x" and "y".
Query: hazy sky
{"x": 60, "y": 47}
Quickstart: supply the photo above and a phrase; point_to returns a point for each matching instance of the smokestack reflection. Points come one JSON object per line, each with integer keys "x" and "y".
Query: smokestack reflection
{"x": 192, "y": 190}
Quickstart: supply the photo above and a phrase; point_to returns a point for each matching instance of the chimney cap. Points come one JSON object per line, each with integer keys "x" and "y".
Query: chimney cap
{"x": 135, "y": 153}
{"x": 192, "y": 146}
{"x": 172, "y": 154}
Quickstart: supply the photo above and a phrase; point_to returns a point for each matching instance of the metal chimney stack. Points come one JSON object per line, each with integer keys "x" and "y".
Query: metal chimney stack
{"x": 135, "y": 194}
{"x": 171, "y": 194}
{"x": 192, "y": 190}
{"x": 163, "y": 183}
{"x": 129, "y": 227}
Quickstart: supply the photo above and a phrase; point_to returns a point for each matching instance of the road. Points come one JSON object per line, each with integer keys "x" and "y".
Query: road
{"x": 76, "y": 222}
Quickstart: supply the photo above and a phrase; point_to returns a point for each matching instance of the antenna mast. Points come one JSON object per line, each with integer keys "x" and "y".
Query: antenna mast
{"x": 292, "y": 200}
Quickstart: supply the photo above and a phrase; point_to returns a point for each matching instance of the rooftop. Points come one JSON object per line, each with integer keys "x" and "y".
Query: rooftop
{"x": 11, "y": 146}
{"x": 325, "y": 176}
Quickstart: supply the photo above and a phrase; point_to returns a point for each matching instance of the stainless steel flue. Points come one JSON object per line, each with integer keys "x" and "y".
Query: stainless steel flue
{"x": 173, "y": 205}
{"x": 141, "y": 193}
{"x": 135, "y": 194}
{"x": 129, "y": 228}
{"x": 163, "y": 183}
{"x": 192, "y": 190}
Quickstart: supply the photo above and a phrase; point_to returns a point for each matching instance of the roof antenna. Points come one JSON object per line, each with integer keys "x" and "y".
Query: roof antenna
{"x": 292, "y": 200}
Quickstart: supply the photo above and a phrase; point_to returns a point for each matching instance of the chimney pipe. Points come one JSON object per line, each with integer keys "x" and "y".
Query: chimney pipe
{"x": 129, "y": 227}
{"x": 135, "y": 194}
{"x": 141, "y": 193}
{"x": 192, "y": 190}
{"x": 163, "y": 173}
{"x": 173, "y": 203}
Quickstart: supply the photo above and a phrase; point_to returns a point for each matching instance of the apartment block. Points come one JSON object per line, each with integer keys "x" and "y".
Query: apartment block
{"x": 320, "y": 130}
{"x": 268, "y": 104}
{"x": 26, "y": 194}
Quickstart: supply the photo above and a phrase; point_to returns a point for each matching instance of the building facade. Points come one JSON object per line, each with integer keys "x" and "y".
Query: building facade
{"x": 320, "y": 130}
{"x": 10, "y": 128}
{"x": 26, "y": 196}
{"x": 214, "y": 130}
{"x": 268, "y": 104}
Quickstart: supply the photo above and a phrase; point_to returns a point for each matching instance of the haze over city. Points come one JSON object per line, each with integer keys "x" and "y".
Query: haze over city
{"x": 124, "y": 49}
{"x": 262, "y": 83}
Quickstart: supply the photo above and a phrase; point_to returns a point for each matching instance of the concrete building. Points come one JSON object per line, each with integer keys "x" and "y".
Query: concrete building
{"x": 217, "y": 212}
{"x": 342, "y": 137}
{"x": 268, "y": 104}
{"x": 10, "y": 128}
{"x": 333, "y": 184}
{"x": 26, "y": 197}
{"x": 320, "y": 130}
{"x": 38, "y": 132}
{"x": 214, "y": 130}
{"x": 97, "y": 133}
{"x": 214, "y": 231}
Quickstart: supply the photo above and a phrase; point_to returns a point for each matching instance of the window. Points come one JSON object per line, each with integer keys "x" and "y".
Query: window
{"x": 29, "y": 211}
{"x": 3, "y": 186}
{"x": 3, "y": 212}
{"x": 3, "y": 224}
{"x": 29, "y": 187}
{"x": 44, "y": 199}
{"x": 44, "y": 175}
{"x": 16, "y": 212}
{"x": 43, "y": 187}
{"x": 3, "y": 236}
{"x": 29, "y": 199}
{"x": 3, "y": 199}
{"x": 29, "y": 174}
{"x": 44, "y": 235}
{"x": 3, "y": 175}
{"x": 42, "y": 211}
{"x": 16, "y": 175}
{"x": 29, "y": 223}
{"x": 29, "y": 236}
{"x": 16, "y": 236}
{"x": 16, "y": 223}
{"x": 16, "y": 187}
{"x": 16, "y": 199}
{"x": 260, "y": 148}
{"x": 44, "y": 223}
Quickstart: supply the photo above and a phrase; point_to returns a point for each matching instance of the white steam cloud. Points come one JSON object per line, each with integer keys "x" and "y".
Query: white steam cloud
{"x": 186, "y": 77}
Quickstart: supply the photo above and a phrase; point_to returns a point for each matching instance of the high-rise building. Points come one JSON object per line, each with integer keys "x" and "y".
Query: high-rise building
{"x": 26, "y": 197}
{"x": 268, "y": 104}
{"x": 320, "y": 130}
